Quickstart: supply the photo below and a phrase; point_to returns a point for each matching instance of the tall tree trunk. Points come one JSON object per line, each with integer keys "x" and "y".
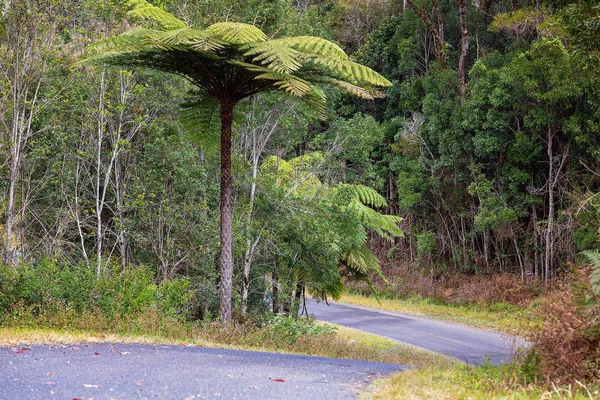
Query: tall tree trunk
{"x": 99, "y": 197}
{"x": 436, "y": 32}
{"x": 226, "y": 284}
{"x": 276, "y": 286}
{"x": 550, "y": 227}
{"x": 10, "y": 212}
{"x": 295, "y": 309}
{"x": 464, "y": 50}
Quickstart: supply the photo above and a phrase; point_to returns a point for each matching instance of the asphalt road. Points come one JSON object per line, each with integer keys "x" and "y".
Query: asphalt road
{"x": 470, "y": 345}
{"x": 130, "y": 371}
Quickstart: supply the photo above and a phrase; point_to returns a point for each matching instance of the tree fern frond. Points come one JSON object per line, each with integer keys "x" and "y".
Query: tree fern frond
{"x": 362, "y": 260}
{"x": 146, "y": 11}
{"x": 313, "y": 45}
{"x": 593, "y": 257}
{"x": 187, "y": 38}
{"x": 279, "y": 58}
{"x": 367, "y": 195}
{"x": 293, "y": 85}
{"x": 324, "y": 290}
{"x": 385, "y": 226}
{"x": 351, "y": 71}
{"x": 357, "y": 91}
{"x": 317, "y": 100}
{"x": 237, "y": 32}
{"x": 134, "y": 40}
{"x": 199, "y": 117}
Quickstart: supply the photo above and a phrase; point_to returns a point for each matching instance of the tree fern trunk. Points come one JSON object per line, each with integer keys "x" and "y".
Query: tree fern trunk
{"x": 226, "y": 284}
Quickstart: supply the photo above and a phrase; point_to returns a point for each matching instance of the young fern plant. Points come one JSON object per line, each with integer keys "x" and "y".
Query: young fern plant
{"x": 593, "y": 257}
{"x": 228, "y": 62}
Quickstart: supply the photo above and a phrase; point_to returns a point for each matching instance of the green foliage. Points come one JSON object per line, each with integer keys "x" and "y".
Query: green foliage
{"x": 317, "y": 228}
{"x": 280, "y": 329}
{"x": 119, "y": 293}
{"x": 426, "y": 245}
{"x": 254, "y": 63}
{"x": 593, "y": 257}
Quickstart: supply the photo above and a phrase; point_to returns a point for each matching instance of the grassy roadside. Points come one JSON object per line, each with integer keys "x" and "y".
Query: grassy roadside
{"x": 501, "y": 317}
{"x": 477, "y": 383}
{"x": 460, "y": 381}
{"x": 332, "y": 341}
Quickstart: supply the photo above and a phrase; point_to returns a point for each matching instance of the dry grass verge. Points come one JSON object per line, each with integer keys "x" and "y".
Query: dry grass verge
{"x": 481, "y": 383}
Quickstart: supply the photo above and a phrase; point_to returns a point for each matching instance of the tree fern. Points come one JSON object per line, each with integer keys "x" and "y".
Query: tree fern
{"x": 231, "y": 61}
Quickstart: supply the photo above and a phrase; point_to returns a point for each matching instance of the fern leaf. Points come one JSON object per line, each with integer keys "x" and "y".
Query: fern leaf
{"x": 593, "y": 257}
{"x": 293, "y": 85}
{"x": 199, "y": 117}
{"x": 134, "y": 40}
{"x": 187, "y": 38}
{"x": 357, "y": 91}
{"x": 146, "y": 11}
{"x": 385, "y": 226}
{"x": 350, "y": 71}
{"x": 324, "y": 290}
{"x": 362, "y": 260}
{"x": 313, "y": 45}
{"x": 279, "y": 58}
{"x": 237, "y": 33}
{"x": 367, "y": 195}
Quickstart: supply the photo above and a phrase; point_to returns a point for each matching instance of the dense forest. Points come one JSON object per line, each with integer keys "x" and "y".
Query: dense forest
{"x": 481, "y": 158}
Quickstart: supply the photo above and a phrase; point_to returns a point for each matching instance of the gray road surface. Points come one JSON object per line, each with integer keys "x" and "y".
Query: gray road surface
{"x": 470, "y": 345}
{"x": 130, "y": 371}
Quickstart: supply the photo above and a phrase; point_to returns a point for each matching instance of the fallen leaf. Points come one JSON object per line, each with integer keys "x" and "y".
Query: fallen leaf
{"x": 277, "y": 380}
{"x": 138, "y": 383}
{"x": 50, "y": 373}
{"x": 96, "y": 353}
{"x": 21, "y": 350}
{"x": 76, "y": 348}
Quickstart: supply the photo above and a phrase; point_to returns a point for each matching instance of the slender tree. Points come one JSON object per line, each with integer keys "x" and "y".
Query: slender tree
{"x": 228, "y": 62}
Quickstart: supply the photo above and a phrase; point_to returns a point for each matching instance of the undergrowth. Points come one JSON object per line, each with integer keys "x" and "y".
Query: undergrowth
{"x": 48, "y": 302}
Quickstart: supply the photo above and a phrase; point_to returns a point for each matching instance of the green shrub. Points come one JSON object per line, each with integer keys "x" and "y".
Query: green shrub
{"x": 280, "y": 329}
{"x": 47, "y": 288}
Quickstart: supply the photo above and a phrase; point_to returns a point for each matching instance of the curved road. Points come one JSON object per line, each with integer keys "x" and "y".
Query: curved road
{"x": 470, "y": 345}
{"x": 130, "y": 371}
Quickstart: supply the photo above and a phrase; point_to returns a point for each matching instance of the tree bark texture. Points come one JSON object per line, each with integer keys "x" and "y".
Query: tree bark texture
{"x": 226, "y": 283}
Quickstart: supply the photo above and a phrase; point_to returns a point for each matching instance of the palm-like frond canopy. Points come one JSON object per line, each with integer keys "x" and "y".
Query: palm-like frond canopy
{"x": 231, "y": 60}
{"x": 228, "y": 62}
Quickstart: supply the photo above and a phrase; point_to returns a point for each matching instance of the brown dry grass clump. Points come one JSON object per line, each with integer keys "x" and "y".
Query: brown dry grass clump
{"x": 568, "y": 345}
{"x": 454, "y": 288}
{"x": 502, "y": 288}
